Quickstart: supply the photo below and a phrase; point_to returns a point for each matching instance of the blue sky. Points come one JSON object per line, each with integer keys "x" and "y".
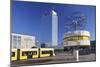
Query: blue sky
{"x": 27, "y": 18}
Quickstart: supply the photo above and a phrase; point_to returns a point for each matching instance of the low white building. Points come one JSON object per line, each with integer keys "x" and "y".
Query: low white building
{"x": 23, "y": 41}
{"x": 76, "y": 38}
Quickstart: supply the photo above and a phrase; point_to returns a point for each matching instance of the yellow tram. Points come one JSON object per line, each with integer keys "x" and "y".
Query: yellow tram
{"x": 25, "y": 54}
{"x": 45, "y": 52}
{"x": 14, "y": 54}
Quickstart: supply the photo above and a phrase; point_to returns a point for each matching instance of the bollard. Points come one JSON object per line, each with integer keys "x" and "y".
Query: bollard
{"x": 76, "y": 54}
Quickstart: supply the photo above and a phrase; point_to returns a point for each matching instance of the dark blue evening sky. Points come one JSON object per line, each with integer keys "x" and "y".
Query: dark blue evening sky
{"x": 26, "y": 18}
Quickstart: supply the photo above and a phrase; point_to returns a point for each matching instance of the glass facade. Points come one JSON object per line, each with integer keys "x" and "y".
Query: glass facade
{"x": 16, "y": 41}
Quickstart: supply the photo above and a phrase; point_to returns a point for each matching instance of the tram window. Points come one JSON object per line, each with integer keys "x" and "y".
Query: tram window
{"x": 13, "y": 54}
{"x": 29, "y": 53}
{"x": 34, "y": 52}
{"x": 46, "y": 52}
{"x": 24, "y": 53}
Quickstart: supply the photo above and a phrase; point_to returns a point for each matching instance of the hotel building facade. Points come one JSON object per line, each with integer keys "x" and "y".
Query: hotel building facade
{"x": 20, "y": 41}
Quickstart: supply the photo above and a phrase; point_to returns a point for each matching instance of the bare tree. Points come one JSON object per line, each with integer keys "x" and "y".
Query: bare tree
{"x": 76, "y": 21}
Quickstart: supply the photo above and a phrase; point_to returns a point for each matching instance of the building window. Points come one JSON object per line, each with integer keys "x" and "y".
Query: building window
{"x": 19, "y": 41}
{"x": 13, "y": 54}
{"x": 16, "y": 41}
{"x": 14, "y": 37}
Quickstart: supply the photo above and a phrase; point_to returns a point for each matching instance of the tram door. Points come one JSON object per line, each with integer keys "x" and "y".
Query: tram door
{"x": 51, "y": 53}
{"x": 29, "y": 54}
{"x": 18, "y": 54}
{"x": 32, "y": 54}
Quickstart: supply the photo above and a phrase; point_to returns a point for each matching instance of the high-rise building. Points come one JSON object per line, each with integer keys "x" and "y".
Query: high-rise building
{"x": 54, "y": 29}
{"x": 49, "y": 27}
